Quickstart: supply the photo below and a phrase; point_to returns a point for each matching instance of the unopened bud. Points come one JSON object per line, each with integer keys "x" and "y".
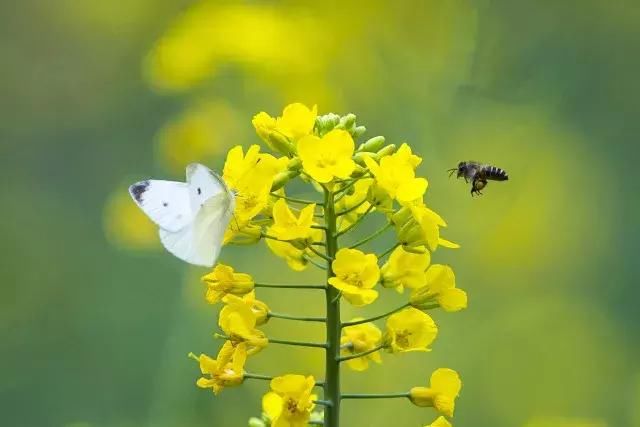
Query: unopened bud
{"x": 282, "y": 178}
{"x": 358, "y": 131}
{"x": 386, "y": 151}
{"x": 256, "y": 422}
{"x": 294, "y": 164}
{"x": 326, "y": 123}
{"x": 280, "y": 143}
{"x": 359, "y": 157}
{"x": 347, "y": 122}
{"x": 372, "y": 145}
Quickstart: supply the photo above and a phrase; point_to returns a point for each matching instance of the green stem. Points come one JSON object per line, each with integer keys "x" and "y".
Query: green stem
{"x": 294, "y": 200}
{"x": 301, "y": 318}
{"x": 311, "y": 261}
{"x": 320, "y": 254}
{"x": 332, "y": 365}
{"x": 352, "y": 208}
{"x": 371, "y": 319}
{"x": 388, "y": 251}
{"x": 257, "y": 377}
{"x": 283, "y": 342}
{"x": 374, "y": 395}
{"x": 362, "y": 354}
{"x": 356, "y": 222}
{"x": 298, "y": 343}
{"x": 372, "y": 236}
{"x": 279, "y": 286}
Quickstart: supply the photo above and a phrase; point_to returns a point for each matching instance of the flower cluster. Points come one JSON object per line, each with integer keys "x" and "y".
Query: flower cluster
{"x": 352, "y": 181}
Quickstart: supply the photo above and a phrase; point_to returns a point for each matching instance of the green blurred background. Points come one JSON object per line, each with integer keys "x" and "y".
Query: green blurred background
{"x": 97, "y": 320}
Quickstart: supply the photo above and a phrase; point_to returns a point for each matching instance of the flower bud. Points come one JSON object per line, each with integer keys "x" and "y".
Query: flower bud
{"x": 401, "y": 217}
{"x": 422, "y": 396}
{"x": 387, "y": 151}
{"x": 280, "y": 143}
{"x": 347, "y": 122}
{"x": 359, "y": 157}
{"x": 256, "y": 422}
{"x": 358, "y": 131}
{"x": 294, "y": 164}
{"x": 249, "y": 235}
{"x": 372, "y": 145}
{"x": 326, "y": 123}
{"x": 282, "y": 178}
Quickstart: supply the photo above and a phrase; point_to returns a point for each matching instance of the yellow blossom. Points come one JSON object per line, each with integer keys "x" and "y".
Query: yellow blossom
{"x": 223, "y": 280}
{"x": 285, "y": 224}
{"x": 238, "y": 320}
{"x": 251, "y": 177}
{"x": 259, "y": 309}
{"x": 355, "y": 204}
{"x": 418, "y": 226}
{"x": 444, "y": 388}
{"x": 440, "y": 422}
{"x": 290, "y": 401}
{"x": 328, "y": 157}
{"x": 358, "y": 339}
{"x": 395, "y": 174}
{"x": 440, "y": 285}
{"x": 405, "y": 269}
{"x": 410, "y": 330}
{"x": 297, "y": 120}
{"x": 227, "y": 370}
{"x": 355, "y": 276}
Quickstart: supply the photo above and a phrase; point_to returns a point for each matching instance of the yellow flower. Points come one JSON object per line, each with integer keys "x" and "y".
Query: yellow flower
{"x": 410, "y": 330}
{"x": 444, "y": 387}
{"x": 328, "y": 157}
{"x": 287, "y": 227}
{"x": 440, "y": 422}
{"x": 290, "y": 401}
{"x": 395, "y": 174}
{"x": 355, "y": 276}
{"x": 280, "y": 134}
{"x": 226, "y": 370}
{"x": 440, "y": 284}
{"x": 223, "y": 280}
{"x": 238, "y": 320}
{"x": 360, "y": 338}
{"x": 251, "y": 177}
{"x": 354, "y": 204}
{"x": 297, "y": 120}
{"x": 405, "y": 269}
{"x": 259, "y": 309}
{"x": 418, "y": 226}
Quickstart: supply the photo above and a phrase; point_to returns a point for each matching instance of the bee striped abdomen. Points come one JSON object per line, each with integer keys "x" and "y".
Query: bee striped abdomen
{"x": 496, "y": 174}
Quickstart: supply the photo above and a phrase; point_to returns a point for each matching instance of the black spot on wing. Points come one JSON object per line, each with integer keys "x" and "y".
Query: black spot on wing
{"x": 137, "y": 190}
{"x": 199, "y": 191}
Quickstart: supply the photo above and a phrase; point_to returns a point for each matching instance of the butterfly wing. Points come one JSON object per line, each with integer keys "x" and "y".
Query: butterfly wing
{"x": 201, "y": 241}
{"x": 203, "y": 184}
{"x": 167, "y": 203}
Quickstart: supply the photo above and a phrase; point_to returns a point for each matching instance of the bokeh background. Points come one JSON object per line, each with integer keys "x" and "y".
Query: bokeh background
{"x": 96, "y": 320}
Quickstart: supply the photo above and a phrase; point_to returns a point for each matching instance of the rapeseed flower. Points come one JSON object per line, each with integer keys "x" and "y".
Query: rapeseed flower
{"x": 440, "y": 422}
{"x": 356, "y": 274}
{"x": 238, "y": 321}
{"x": 405, "y": 269}
{"x": 329, "y": 157}
{"x": 224, "y": 280}
{"x": 410, "y": 330}
{"x": 290, "y": 401}
{"x": 358, "y": 339}
{"x": 440, "y": 286}
{"x": 444, "y": 388}
{"x": 224, "y": 371}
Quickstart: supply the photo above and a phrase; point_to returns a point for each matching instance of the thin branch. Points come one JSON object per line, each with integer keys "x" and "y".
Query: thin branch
{"x": 320, "y": 254}
{"x": 352, "y": 208}
{"x": 257, "y": 376}
{"x": 301, "y": 318}
{"x": 374, "y": 318}
{"x": 362, "y": 354}
{"x": 279, "y": 286}
{"x": 311, "y": 261}
{"x": 388, "y": 251}
{"x": 356, "y": 222}
{"x": 295, "y": 200}
{"x": 372, "y": 236}
{"x": 374, "y": 395}
{"x": 283, "y": 342}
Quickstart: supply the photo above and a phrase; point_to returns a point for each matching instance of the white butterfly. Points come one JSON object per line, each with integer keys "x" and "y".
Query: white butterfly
{"x": 192, "y": 216}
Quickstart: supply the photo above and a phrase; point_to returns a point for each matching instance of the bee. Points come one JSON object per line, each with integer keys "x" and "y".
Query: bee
{"x": 479, "y": 174}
